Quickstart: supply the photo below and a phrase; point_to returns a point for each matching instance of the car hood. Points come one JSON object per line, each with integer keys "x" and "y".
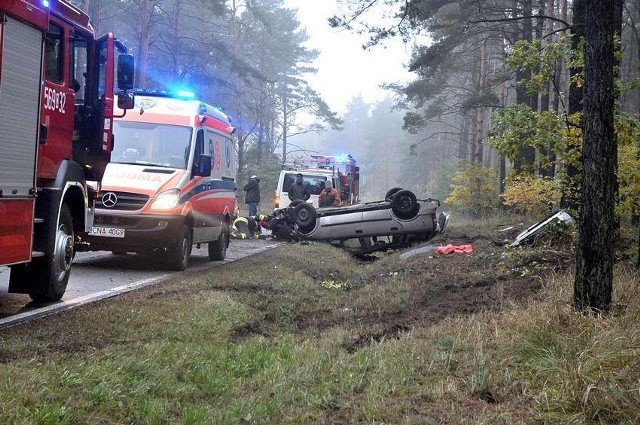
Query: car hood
{"x": 139, "y": 178}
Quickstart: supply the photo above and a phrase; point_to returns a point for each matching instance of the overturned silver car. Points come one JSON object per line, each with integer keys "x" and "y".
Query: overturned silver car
{"x": 395, "y": 222}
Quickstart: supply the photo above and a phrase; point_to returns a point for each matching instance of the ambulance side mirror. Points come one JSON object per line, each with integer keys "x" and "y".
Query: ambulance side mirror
{"x": 204, "y": 166}
{"x": 126, "y": 72}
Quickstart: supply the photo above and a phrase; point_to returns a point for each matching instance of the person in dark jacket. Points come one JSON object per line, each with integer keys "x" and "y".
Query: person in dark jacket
{"x": 252, "y": 196}
{"x": 299, "y": 189}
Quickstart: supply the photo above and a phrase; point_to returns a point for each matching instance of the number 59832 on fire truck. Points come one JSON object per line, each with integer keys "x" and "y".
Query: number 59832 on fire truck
{"x": 57, "y": 84}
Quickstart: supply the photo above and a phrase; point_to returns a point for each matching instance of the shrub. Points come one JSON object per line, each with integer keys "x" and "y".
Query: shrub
{"x": 531, "y": 194}
{"x": 476, "y": 188}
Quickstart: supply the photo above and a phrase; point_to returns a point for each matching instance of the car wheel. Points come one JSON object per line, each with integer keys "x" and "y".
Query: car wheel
{"x": 179, "y": 253}
{"x": 391, "y": 192}
{"x": 218, "y": 249}
{"x": 404, "y": 204}
{"x": 305, "y": 215}
{"x": 295, "y": 203}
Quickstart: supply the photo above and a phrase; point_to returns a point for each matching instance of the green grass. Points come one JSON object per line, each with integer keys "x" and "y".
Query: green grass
{"x": 277, "y": 338}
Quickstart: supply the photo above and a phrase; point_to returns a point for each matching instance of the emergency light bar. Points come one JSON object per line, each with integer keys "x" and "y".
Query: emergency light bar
{"x": 178, "y": 94}
{"x": 344, "y": 157}
{"x": 186, "y": 94}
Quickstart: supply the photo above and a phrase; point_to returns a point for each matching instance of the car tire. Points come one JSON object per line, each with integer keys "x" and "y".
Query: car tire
{"x": 179, "y": 253}
{"x": 49, "y": 275}
{"x": 295, "y": 203}
{"x": 389, "y": 195}
{"x": 305, "y": 215}
{"x": 404, "y": 204}
{"x": 218, "y": 248}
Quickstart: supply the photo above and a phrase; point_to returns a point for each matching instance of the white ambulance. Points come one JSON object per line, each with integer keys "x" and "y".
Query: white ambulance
{"x": 170, "y": 183}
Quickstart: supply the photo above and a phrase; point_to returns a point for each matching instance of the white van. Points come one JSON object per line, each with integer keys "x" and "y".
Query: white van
{"x": 315, "y": 179}
{"x": 342, "y": 170}
{"x": 170, "y": 183}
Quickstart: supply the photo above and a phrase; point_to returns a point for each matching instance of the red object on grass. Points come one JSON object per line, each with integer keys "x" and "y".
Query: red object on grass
{"x": 454, "y": 249}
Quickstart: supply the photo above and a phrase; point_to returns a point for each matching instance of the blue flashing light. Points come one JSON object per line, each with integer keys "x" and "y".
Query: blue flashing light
{"x": 186, "y": 94}
{"x": 343, "y": 157}
{"x": 45, "y": 3}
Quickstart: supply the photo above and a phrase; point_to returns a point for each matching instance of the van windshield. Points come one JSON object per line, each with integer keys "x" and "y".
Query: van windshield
{"x": 316, "y": 183}
{"x": 159, "y": 145}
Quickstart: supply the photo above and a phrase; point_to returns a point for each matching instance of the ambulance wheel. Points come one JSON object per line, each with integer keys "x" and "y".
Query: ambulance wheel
{"x": 218, "y": 249}
{"x": 404, "y": 204}
{"x": 305, "y": 215}
{"x": 179, "y": 253}
{"x": 50, "y": 274}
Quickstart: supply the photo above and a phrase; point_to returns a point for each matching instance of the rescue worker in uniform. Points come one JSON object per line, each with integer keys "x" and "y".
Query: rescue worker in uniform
{"x": 329, "y": 196}
{"x": 252, "y": 195}
{"x": 300, "y": 189}
{"x": 247, "y": 227}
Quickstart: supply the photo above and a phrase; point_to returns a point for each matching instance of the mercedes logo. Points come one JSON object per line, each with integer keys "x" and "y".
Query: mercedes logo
{"x": 109, "y": 199}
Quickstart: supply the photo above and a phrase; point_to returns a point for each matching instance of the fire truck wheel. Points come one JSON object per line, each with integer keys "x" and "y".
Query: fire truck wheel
{"x": 218, "y": 249}
{"x": 305, "y": 215}
{"x": 389, "y": 195}
{"x": 50, "y": 274}
{"x": 179, "y": 253}
{"x": 404, "y": 204}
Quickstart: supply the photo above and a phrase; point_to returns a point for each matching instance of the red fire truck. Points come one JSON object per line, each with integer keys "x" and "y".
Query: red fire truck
{"x": 346, "y": 173}
{"x": 56, "y": 113}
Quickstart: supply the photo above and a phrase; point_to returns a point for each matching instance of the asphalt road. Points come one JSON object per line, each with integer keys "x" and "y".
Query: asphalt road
{"x": 98, "y": 275}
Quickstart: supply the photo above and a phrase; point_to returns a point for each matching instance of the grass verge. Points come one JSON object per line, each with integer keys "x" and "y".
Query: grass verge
{"x": 308, "y": 334}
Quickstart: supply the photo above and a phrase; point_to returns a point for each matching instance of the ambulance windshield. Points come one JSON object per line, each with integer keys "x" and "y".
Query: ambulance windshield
{"x": 160, "y": 145}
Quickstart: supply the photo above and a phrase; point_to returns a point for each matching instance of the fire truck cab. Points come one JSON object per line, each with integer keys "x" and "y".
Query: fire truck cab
{"x": 57, "y": 98}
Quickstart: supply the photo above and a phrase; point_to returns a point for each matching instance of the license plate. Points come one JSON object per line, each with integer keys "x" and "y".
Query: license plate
{"x": 107, "y": 232}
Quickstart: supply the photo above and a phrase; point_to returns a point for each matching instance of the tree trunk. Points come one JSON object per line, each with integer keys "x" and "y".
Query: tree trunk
{"x": 260, "y": 142}
{"x": 570, "y": 198}
{"x": 545, "y": 98}
{"x": 177, "y": 8}
{"x": 634, "y": 65}
{"x": 528, "y": 153}
{"x": 237, "y": 87}
{"x": 93, "y": 8}
{"x": 594, "y": 264}
{"x": 284, "y": 123}
{"x": 146, "y": 9}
